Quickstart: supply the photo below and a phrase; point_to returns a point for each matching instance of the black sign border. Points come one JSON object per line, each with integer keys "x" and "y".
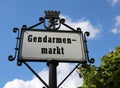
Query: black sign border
{"x": 20, "y": 58}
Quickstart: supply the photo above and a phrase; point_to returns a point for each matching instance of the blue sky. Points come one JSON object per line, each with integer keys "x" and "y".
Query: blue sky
{"x": 100, "y": 17}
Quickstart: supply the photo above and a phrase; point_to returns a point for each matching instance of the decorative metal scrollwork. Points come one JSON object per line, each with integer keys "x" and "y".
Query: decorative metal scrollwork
{"x": 92, "y": 60}
{"x": 11, "y": 57}
{"x": 41, "y": 19}
{"x": 51, "y": 21}
{"x": 62, "y": 21}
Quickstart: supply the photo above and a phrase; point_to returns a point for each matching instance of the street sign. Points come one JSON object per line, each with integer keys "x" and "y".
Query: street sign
{"x": 45, "y": 45}
{"x": 50, "y": 45}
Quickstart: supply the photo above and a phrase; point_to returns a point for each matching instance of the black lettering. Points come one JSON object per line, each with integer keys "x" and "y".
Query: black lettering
{"x": 45, "y": 38}
{"x": 58, "y": 50}
{"x": 68, "y": 40}
{"x": 50, "y": 50}
{"x": 54, "y": 50}
{"x": 49, "y": 40}
{"x": 62, "y": 50}
{"x": 30, "y": 38}
{"x": 43, "y": 50}
{"x": 64, "y": 40}
{"x": 53, "y": 40}
{"x": 39, "y": 39}
{"x": 35, "y": 39}
{"x": 58, "y": 40}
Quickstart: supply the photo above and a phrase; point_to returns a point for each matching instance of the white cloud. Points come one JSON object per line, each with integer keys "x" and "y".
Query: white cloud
{"x": 114, "y": 2}
{"x": 117, "y": 24}
{"x": 84, "y": 24}
{"x": 33, "y": 83}
{"x": 63, "y": 69}
{"x": 116, "y": 28}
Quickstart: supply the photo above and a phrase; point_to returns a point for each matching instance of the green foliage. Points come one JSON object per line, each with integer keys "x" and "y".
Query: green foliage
{"x": 104, "y": 76}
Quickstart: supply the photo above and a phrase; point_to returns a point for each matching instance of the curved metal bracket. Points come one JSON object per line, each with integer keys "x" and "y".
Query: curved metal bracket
{"x": 92, "y": 60}
{"x": 62, "y": 21}
{"x": 41, "y": 19}
{"x": 11, "y": 57}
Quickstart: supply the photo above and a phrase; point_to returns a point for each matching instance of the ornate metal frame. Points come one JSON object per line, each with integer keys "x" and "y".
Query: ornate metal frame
{"x": 51, "y": 21}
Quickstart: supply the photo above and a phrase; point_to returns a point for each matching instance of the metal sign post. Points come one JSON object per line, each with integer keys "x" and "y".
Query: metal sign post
{"x": 52, "y": 73}
{"x": 51, "y": 45}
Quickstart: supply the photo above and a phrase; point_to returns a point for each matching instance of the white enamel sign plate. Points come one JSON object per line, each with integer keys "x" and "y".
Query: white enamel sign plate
{"x": 41, "y": 45}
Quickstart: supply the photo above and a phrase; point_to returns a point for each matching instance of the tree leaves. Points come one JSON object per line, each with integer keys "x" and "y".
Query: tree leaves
{"x": 104, "y": 76}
